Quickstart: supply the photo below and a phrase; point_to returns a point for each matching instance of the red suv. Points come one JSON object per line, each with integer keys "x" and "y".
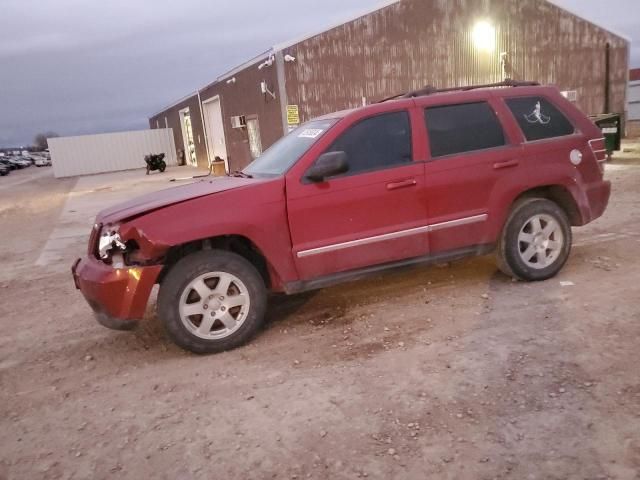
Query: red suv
{"x": 428, "y": 177}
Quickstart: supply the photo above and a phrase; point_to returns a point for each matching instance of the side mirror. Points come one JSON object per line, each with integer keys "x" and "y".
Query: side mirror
{"x": 327, "y": 165}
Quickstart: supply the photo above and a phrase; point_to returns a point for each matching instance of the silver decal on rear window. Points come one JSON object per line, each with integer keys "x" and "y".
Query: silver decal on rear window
{"x": 537, "y": 116}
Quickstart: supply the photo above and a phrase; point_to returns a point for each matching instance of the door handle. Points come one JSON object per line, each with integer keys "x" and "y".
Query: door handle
{"x": 507, "y": 164}
{"x": 411, "y": 182}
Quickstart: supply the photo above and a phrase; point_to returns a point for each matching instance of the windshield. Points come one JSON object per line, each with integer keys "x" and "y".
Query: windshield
{"x": 283, "y": 154}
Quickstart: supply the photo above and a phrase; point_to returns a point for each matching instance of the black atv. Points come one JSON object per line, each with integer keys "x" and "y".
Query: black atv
{"x": 155, "y": 162}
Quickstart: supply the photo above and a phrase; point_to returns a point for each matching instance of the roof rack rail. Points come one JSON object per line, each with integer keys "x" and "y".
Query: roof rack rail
{"x": 429, "y": 90}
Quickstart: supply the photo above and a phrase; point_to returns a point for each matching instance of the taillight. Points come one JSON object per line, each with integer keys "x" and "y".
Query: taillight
{"x": 93, "y": 239}
{"x": 599, "y": 150}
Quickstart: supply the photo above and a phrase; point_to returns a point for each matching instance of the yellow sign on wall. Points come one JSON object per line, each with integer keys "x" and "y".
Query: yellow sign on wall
{"x": 293, "y": 115}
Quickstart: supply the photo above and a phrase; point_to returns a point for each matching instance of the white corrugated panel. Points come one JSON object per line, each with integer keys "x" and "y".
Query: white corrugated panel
{"x": 109, "y": 152}
{"x": 634, "y": 101}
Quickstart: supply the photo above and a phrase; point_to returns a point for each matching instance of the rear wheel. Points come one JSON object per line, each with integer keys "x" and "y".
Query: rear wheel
{"x": 163, "y": 167}
{"x": 536, "y": 240}
{"x": 211, "y": 301}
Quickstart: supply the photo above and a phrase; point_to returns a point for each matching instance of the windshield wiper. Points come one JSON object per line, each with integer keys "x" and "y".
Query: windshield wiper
{"x": 240, "y": 174}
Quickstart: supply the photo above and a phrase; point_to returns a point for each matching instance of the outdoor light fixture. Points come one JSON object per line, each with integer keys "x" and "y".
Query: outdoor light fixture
{"x": 264, "y": 88}
{"x": 289, "y": 58}
{"x": 267, "y": 63}
{"x": 231, "y": 81}
{"x": 484, "y": 36}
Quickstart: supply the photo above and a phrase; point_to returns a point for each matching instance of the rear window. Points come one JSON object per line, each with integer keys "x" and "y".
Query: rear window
{"x": 468, "y": 127}
{"x": 538, "y": 118}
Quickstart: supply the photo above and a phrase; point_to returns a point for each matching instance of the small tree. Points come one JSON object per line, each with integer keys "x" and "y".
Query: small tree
{"x": 40, "y": 140}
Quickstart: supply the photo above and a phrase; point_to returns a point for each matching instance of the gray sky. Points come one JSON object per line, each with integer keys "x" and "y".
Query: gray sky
{"x": 90, "y": 66}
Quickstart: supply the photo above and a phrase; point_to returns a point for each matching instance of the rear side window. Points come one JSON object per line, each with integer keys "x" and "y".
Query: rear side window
{"x": 538, "y": 118}
{"x": 377, "y": 142}
{"x": 462, "y": 128}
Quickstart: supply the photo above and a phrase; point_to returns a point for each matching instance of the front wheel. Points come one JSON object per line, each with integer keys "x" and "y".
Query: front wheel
{"x": 211, "y": 301}
{"x": 536, "y": 240}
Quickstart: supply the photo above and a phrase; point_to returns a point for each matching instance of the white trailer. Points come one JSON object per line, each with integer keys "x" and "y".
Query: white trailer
{"x": 109, "y": 152}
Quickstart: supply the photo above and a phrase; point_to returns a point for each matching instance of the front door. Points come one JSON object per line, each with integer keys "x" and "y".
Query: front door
{"x": 215, "y": 130}
{"x": 187, "y": 136}
{"x": 253, "y": 132}
{"x": 374, "y": 213}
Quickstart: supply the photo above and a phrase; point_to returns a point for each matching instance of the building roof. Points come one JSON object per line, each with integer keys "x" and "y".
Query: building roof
{"x": 597, "y": 24}
{"x": 381, "y": 4}
{"x": 282, "y": 46}
{"x": 634, "y": 74}
{"x": 173, "y": 104}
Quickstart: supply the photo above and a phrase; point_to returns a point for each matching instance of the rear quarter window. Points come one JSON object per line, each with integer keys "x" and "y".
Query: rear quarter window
{"x": 538, "y": 118}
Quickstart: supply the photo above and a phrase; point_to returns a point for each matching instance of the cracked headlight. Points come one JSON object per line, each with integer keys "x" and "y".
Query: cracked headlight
{"x": 110, "y": 240}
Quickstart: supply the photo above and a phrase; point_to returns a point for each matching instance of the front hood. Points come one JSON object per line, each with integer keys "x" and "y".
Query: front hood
{"x": 162, "y": 198}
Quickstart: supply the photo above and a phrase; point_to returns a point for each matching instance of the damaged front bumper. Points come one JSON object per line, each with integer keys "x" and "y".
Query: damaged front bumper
{"x": 118, "y": 296}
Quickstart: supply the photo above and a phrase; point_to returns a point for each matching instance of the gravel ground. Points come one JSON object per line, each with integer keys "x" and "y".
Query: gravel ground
{"x": 452, "y": 372}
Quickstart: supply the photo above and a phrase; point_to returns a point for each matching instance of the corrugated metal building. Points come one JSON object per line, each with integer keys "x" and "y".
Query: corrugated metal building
{"x": 402, "y": 46}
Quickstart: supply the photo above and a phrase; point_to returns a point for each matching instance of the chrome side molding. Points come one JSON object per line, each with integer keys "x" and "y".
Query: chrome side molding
{"x": 390, "y": 236}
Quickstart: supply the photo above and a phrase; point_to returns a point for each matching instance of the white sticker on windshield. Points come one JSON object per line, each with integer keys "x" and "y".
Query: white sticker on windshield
{"x": 310, "y": 133}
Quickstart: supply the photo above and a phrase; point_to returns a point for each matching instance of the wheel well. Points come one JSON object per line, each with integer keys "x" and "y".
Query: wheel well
{"x": 561, "y": 196}
{"x": 232, "y": 243}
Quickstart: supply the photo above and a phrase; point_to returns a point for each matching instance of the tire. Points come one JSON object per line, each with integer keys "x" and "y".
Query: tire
{"x": 535, "y": 241}
{"x": 163, "y": 167}
{"x": 202, "y": 272}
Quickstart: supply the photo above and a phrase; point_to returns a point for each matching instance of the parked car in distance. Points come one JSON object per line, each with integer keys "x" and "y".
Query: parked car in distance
{"x": 25, "y": 161}
{"x": 4, "y": 170}
{"x": 42, "y": 162}
{"x": 7, "y": 163}
{"x": 19, "y": 164}
{"x": 428, "y": 177}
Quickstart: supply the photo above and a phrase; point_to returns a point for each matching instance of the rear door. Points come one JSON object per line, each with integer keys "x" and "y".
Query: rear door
{"x": 375, "y": 213}
{"x": 469, "y": 155}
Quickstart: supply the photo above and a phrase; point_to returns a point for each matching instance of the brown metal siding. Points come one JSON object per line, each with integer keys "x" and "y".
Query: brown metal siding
{"x": 244, "y": 97}
{"x": 416, "y": 43}
{"x": 173, "y": 120}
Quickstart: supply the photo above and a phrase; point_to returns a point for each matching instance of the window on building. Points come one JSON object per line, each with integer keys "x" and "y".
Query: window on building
{"x": 253, "y": 131}
{"x": 538, "y": 118}
{"x": 467, "y": 127}
{"x": 377, "y": 142}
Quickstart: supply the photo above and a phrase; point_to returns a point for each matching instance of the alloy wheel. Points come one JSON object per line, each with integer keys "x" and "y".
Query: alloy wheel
{"x": 540, "y": 241}
{"x": 214, "y": 305}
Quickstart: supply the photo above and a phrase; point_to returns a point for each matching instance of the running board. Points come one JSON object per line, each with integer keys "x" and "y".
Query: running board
{"x": 360, "y": 273}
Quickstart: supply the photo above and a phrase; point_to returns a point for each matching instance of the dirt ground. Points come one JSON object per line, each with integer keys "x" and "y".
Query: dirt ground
{"x": 455, "y": 372}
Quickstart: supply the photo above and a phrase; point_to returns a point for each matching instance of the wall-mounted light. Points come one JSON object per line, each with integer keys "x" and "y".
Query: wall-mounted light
{"x": 267, "y": 63}
{"x": 265, "y": 89}
{"x": 289, "y": 58}
{"x": 231, "y": 81}
{"x": 484, "y": 36}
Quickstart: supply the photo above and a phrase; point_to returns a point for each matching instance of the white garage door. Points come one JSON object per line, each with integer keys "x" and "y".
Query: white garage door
{"x": 215, "y": 130}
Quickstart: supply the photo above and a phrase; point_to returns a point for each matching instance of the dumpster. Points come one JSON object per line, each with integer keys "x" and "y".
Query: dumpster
{"x": 611, "y": 127}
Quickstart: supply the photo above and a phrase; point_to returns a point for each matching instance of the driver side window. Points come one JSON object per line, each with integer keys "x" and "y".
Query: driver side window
{"x": 376, "y": 143}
